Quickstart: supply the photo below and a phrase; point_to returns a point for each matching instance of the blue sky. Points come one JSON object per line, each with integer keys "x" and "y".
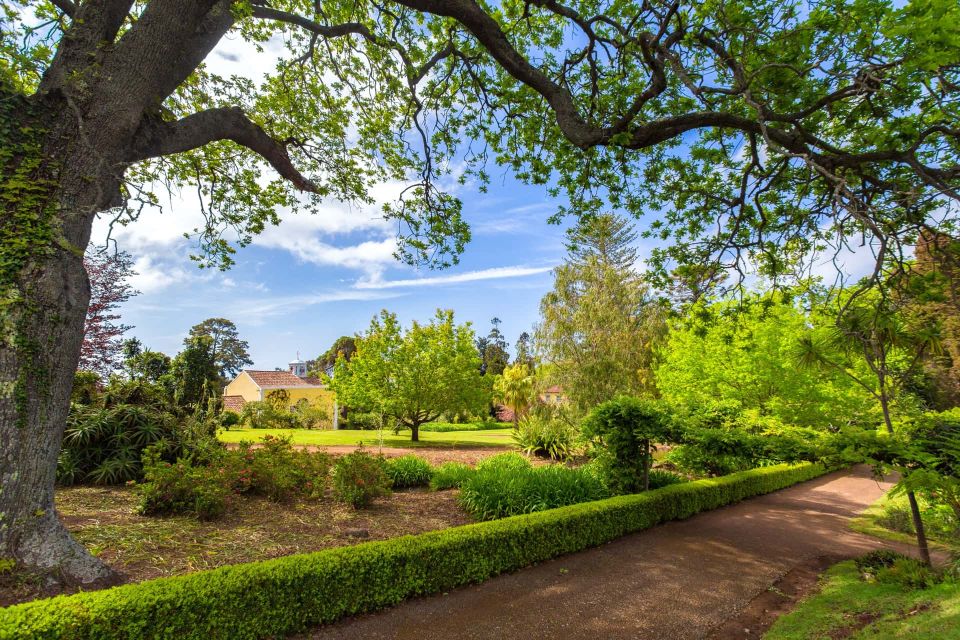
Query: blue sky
{"x": 314, "y": 278}
{"x": 301, "y": 285}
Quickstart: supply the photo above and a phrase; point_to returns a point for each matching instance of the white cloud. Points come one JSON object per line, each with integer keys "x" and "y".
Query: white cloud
{"x": 256, "y": 310}
{"x": 494, "y": 273}
{"x": 153, "y": 274}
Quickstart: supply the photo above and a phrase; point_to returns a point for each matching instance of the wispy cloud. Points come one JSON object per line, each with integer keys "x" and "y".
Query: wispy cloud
{"x": 494, "y": 273}
{"x": 256, "y": 310}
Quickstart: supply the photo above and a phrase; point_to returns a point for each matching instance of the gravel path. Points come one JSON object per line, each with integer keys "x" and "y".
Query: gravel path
{"x": 679, "y": 580}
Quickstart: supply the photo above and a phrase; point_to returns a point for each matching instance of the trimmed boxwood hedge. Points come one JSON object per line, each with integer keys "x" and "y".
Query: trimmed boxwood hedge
{"x": 285, "y": 595}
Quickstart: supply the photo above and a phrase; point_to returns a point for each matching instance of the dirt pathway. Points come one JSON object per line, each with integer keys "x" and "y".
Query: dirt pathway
{"x": 678, "y": 580}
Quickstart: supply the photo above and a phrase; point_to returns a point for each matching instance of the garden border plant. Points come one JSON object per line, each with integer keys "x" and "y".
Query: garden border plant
{"x": 290, "y": 594}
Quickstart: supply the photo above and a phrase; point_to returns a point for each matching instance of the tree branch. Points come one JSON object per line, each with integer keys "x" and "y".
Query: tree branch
{"x": 334, "y": 31}
{"x": 66, "y": 6}
{"x": 157, "y": 138}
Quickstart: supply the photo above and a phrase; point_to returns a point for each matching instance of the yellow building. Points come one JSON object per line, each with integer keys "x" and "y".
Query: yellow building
{"x": 294, "y": 386}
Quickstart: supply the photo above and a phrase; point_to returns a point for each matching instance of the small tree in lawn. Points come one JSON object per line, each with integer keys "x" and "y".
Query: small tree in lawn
{"x": 877, "y": 344}
{"x": 626, "y": 429}
{"x": 514, "y": 388}
{"x": 413, "y": 376}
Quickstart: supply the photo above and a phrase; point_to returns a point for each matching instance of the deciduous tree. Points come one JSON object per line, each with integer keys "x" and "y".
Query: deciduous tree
{"x": 801, "y": 126}
{"x": 413, "y": 376}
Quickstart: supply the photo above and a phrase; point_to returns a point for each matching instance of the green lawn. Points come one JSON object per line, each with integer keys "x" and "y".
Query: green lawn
{"x": 487, "y": 438}
{"x": 872, "y": 523}
{"x": 848, "y": 607}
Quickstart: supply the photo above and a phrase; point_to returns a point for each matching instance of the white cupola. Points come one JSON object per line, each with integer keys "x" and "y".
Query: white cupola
{"x": 298, "y": 367}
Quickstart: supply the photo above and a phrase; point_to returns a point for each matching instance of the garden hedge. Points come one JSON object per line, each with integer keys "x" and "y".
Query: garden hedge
{"x": 285, "y": 595}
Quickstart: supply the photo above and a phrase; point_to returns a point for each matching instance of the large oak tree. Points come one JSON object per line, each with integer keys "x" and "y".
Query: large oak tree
{"x": 754, "y": 130}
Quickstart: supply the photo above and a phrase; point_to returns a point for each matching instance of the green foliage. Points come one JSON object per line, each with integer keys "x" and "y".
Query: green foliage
{"x": 409, "y": 471}
{"x": 660, "y": 478}
{"x": 182, "y": 488}
{"x": 545, "y": 434}
{"x": 204, "y": 483}
{"x": 194, "y": 375}
{"x": 717, "y": 440}
{"x": 228, "y": 351}
{"x": 229, "y": 419}
{"x": 86, "y": 387}
{"x": 277, "y": 470}
{"x": 741, "y": 353}
{"x": 413, "y": 376}
{"x": 600, "y": 324}
{"x": 450, "y": 475}
{"x": 499, "y": 491}
{"x": 103, "y": 442}
{"x": 359, "y": 478}
{"x": 514, "y": 388}
{"x": 882, "y": 608}
{"x": 266, "y": 414}
{"x": 872, "y": 561}
{"x": 287, "y": 595}
{"x": 626, "y": 429}
{"x": 446, "y": 427}
{"x": 509, "y": 461}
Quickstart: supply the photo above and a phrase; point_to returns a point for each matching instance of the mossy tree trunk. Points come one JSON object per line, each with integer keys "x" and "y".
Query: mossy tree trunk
{"x": 64, "y": 149}
{"x": 52, "y": 193}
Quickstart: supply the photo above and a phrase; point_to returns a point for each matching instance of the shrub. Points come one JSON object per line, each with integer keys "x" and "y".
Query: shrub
{"x": 286, "y": 595}
{"x": 545, "y": 435}
{"x": 450, "y": 475}
{"x": 182, "y": 488}
{"x": 278, "y": 471}
{"x": 877, "y": 559}
{"x": 626, "y": 429}
{"x": 266, "y": 414}
{"x": 909, "y": 573}
{"x": 444, "y": 427}
{"x": 715, "y": 452}
{"x": 201, "y": 485}
{"x": 500, "y": 492}
{"x": 229, "y": 419}
{"x": 359, "y": 478}
{"x": 510, "y": 461}
{"x": 409, "y": 471}
{"x": 660, "y": 478}
{"x": 104, "y": 444}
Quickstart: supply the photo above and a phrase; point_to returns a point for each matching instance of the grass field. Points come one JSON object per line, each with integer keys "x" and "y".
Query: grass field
{"x": 871, "y": 522}
{"x": 848, "y": 607}
{"x": 453, "y": 439}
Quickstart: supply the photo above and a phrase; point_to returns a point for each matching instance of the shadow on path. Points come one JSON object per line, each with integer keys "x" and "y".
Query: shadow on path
{"x": 677, "y": 580}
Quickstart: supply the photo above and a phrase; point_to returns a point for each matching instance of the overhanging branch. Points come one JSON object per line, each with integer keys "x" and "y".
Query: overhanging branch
{"x": 158, "y": 138}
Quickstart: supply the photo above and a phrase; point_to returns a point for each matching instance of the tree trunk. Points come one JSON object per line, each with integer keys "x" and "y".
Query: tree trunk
{"x": 921, "y": 532}
{"x": 646, "y": 465}
{"x": 415, "y": 432}
{"x": 44, "y": 291}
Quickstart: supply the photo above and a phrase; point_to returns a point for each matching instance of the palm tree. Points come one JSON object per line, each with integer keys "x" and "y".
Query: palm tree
{"x": 514, "y": 388}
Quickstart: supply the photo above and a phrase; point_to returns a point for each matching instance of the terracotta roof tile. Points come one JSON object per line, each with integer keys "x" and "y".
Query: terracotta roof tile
{"x": 272, "y": 379}
{"x": 233, "y": 403}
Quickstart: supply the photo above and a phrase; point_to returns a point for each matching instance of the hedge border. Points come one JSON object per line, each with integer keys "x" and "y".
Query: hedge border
{"x": 293, "y": 593}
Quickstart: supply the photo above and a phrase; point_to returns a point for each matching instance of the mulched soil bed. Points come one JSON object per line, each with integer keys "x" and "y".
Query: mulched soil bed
{"x": 103, "y": 519}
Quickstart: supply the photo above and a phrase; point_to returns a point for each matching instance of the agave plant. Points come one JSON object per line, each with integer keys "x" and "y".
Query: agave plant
{"x": 104, "y": 445}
